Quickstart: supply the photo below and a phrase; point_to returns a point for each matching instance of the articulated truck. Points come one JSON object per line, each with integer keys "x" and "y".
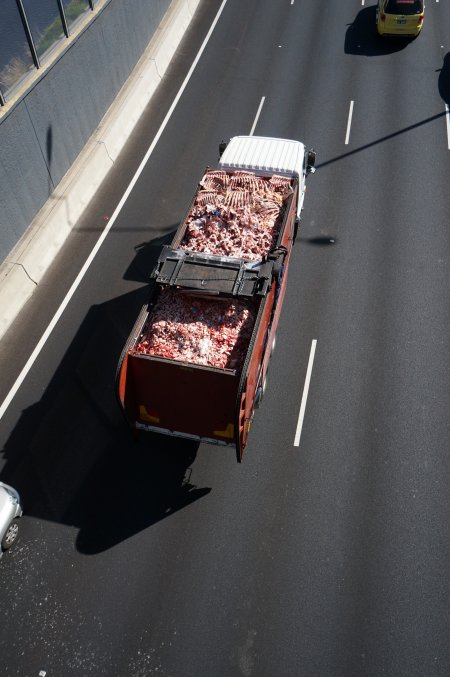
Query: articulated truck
{"x": 196, "y": 361}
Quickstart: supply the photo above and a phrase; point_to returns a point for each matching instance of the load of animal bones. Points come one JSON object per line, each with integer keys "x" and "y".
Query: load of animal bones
{"x": 237, "y": 214}
{"x": 212, "y": 332}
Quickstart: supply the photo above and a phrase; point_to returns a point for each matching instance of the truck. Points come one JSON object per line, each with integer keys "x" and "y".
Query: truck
{"x": 195, "y": 364}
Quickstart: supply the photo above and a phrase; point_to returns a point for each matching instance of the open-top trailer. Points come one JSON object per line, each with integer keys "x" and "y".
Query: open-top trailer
{"x": 196, "y": 361}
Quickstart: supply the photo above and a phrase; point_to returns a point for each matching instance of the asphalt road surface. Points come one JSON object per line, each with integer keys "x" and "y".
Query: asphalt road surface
{"x": 326, "y": 558}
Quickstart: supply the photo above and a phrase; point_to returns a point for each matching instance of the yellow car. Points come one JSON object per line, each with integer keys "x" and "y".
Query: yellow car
{"x": 400, "y": 17}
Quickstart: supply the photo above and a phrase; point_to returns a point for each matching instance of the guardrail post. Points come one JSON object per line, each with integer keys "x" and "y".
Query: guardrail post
{"x": 63, "y": 18}
{"x": 26, "y": 27}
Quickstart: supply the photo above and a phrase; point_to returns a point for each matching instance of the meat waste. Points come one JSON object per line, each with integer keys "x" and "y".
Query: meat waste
{"x": 237, "y": 215}
{"x": 204, "y": 331}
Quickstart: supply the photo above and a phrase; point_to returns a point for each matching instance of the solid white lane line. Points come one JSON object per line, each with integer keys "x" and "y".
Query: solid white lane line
{"x": 258, "y": 113}
{"x": 81, "y": 274}
{"x": 301, "y": 415}
{"x": 447, "y": 117}
{"x": 349, "y": 123}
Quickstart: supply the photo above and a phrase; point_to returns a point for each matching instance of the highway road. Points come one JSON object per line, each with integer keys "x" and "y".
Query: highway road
{"x": 323, "y": 556}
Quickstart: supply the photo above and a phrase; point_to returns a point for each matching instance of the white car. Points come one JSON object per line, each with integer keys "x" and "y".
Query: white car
{"x": 10, "y": 511}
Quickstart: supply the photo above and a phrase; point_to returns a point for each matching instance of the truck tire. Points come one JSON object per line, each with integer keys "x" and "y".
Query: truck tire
{"x": 278, "y": 268}
{"x": 296, "y": 225}
{"x": 11, "y": 535}
{"x": 259, "y": 395}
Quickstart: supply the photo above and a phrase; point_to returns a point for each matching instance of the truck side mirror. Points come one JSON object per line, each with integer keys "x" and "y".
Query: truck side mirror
{"x": 310, "y": 161}
{"x": 222, "y": 146}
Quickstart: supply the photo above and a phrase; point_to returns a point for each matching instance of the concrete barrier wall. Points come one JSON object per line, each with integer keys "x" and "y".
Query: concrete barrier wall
{"x": 42, "y": 135}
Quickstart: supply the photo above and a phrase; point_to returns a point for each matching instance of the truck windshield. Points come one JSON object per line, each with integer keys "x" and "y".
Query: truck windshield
{"x": 404, "y": 7}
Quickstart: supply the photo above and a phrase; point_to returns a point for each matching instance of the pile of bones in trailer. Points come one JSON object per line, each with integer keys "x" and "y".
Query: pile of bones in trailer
{"x": 237, "y": 215}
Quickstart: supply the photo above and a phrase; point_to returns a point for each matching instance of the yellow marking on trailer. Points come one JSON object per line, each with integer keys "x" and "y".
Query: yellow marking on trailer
{"x": 228, "y": 432}
{"x": 145, "y": 416}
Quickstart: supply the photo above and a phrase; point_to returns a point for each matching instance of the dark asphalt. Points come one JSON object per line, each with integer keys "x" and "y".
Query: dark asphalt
{"x": 330, "y": 559}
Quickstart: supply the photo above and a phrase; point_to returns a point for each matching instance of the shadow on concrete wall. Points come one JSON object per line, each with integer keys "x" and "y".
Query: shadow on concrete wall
{"x": 49, "y": 153}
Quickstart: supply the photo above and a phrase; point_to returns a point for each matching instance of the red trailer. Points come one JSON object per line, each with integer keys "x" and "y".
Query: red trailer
{"x": 195, "y": 363}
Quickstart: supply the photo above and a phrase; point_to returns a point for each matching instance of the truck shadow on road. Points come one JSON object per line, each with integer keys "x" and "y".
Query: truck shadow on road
{"x": 319, "y": 240}
{"x": 146, "y": 256}
{"x": 133, "y": 485}
{"x": 362, "y": 37}
{"x": 72, "y": 456}
{"x": 444, "y": 80}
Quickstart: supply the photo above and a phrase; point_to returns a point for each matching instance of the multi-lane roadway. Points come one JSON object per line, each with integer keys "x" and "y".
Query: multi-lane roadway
{"x": 326, "y": 553}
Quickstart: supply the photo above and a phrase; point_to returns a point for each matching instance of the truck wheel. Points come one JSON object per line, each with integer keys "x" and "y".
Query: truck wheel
{"x": 260, "y": 390}
{"x": 11, "y": 535}
{"x": 277, "y": 270}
